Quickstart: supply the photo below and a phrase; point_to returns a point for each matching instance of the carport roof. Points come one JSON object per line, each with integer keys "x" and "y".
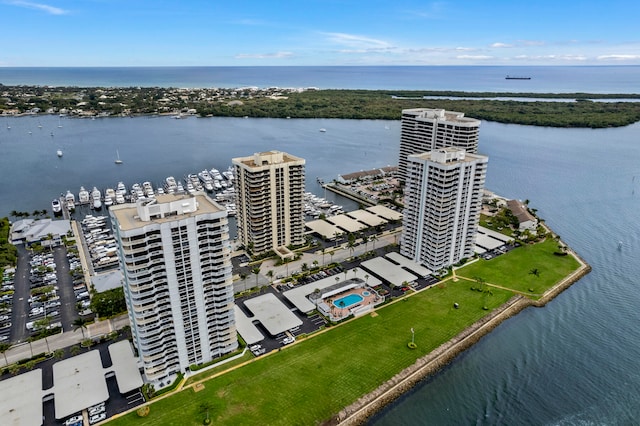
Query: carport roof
{"x": 346, "y": 223}
{"x": 324, "y": 228}
{"x": 273, "y": 314}
{"x": 125, "y": 366}
{"x": 385, "y": 212}
{"x": 79, "y": 383}
{"x": 21, "y": 402}
{"x": 389, "y": 271}
{"x": 367, "y": 217}
{"x": 249, "y": 332}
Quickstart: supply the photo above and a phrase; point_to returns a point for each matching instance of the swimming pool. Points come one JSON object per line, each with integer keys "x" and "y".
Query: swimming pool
{"x": 348, "y": 300}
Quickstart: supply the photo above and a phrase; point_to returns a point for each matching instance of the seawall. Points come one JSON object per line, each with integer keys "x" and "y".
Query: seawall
{"x": 366, "y": 406}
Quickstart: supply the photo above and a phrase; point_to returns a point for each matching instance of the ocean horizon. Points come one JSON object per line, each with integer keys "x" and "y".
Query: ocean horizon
{"x": 484, "y": 78}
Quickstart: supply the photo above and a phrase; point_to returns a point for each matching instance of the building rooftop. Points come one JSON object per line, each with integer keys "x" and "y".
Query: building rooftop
{"x": 266, "y": 159}
{"x": 441, "y": 114}
{"x": 165, "y": 208}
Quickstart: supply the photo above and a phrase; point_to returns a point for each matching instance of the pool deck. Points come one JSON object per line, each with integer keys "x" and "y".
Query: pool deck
{"x": 369, "y": 299}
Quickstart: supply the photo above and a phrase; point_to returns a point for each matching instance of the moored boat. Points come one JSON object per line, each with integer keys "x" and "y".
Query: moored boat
{"x": 83, "y": 196}
{"x": 56, "y": 207}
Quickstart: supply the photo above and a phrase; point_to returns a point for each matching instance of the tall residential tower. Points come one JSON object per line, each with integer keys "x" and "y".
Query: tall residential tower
{"x": 443, "y": 198}
{"x": 425, "y": 130}
{"x": 269, "y": 201}
{"x": 176, "y": 260}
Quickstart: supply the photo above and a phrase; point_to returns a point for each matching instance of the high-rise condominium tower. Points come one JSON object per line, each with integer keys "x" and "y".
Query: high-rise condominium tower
{"x": 269, "y": 201}
{"x": 425, "y": 130}
{"x": 443, "y": 198}
{"x": 175, "y": 256}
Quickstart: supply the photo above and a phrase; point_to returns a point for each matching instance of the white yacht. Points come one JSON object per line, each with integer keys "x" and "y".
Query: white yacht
{"x": 170, "y": 185}
{"x": 195, "y": 182}
{"x": 70, "y": 201}
{"x": 207, "y": 180}
{"x": 59, "y": 153}
{"x": 147, "y": 188}
{"x": 109, "y": 197}
{"x": 83, "y": 196}
{"x": 96, "y": 196}
{"x": 56, "y": 207}
{"x": 120, "y": 198}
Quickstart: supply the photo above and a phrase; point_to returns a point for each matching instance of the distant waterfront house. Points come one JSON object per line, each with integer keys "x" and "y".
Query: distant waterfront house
{"x": 367, "y": 175}
{"x": 526, "y": 220}
{"x": 48, "y": 232}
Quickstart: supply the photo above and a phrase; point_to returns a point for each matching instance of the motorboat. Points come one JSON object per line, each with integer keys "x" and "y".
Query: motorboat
{"x": 59, "y": 153}
{"x": 195, "y": 182}
{"x": 56, "y": 207}
{"x": 170, "y": 185}
{"x": 96, "y": 197}
{"x": 70, "y": 201}
{"x": 147, "y": 188}
{"x": 83, "y": 196}
{"x": 207, "y": 180}
{"x": 109, "y": 197}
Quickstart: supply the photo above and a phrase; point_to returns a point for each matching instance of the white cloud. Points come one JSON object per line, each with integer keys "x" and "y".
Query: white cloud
{"x": 357, "y": 41}
{"x": 618, "y": 57}
{"x": 276, "y": 55}
{"x": 52, "y": 10}
{"x": 501, "y": 45}
{"x": 475, "y": 57}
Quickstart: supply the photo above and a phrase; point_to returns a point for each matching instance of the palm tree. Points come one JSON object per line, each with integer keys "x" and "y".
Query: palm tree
{"x": 256, "y": 271}
{"x": 373, "y": 239}
{"x": 331, "y": 256}
{"x": 352, "y": 245}
{"x": 323, "y": 250}
{"x": 535, "y": 272}
{"x": 243, "y": 277}
{"x": 80, "y": 323}
{"x": 44, "y": 325}
{"x": 4, "y": 347}
{"x": 270, "y": 275}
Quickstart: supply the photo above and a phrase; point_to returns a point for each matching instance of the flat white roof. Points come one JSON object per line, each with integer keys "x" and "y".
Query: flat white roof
{"x": 249, "y": 332}
{"x": 107, "y": 280}
{"x": 79, "y": 383}
{"x": 409, "y": 264}
{"x": 385, "y": 212}
{"x": 494, "y": 234}
{"x": 21, "y": 401}
{"x": 389, "y": 271}
{"x": 273, "y": 314}
{"x": 125, "y": 366}
{"x": 479, "y": 250}
{"x": 367, "y": 217}
{"x": 324, "y": 228}
{"x": 487, "y": 242}
{"x": 346, "y": 223}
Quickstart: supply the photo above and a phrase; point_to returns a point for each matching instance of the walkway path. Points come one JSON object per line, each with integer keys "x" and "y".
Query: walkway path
{"x": 62, "y": 340}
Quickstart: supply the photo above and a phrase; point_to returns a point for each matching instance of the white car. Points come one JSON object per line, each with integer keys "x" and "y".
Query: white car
{"x": 97, "y": 418}
{"x": 73, "y": 420}
{"x": 288, "y": 340}
{"x": 97, "y": 409}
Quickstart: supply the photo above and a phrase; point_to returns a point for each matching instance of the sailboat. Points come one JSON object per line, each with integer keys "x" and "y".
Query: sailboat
{"x": 118, "y": 160}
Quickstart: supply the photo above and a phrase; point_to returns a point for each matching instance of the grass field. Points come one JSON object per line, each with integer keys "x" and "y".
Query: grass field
{"x": 514, "y": 271}
{"x": 310, "y": 381}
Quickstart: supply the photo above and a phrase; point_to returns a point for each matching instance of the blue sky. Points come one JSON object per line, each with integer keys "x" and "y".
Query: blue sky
{"x": 310, "y": 32}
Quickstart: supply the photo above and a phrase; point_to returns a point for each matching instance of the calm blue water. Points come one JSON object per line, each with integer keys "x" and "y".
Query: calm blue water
{"x": 592, "y": 79}
{"x": 575, "y": 361}
{"x": 348, "y": 300}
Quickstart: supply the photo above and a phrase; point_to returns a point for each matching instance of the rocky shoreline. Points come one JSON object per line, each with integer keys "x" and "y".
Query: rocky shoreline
{"x": 366, "y": 406}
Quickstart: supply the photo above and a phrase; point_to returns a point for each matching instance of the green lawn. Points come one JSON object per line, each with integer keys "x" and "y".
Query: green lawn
{"x": 513, "y": 270}
{"x": 310, "y": 381}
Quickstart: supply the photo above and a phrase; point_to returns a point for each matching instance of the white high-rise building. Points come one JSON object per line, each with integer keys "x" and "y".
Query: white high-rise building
{"x": 424, "y": 130}
{"x": 176, "y": 259}
{"x": 269, "y": 201}
{"x": 443, "y": 198}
